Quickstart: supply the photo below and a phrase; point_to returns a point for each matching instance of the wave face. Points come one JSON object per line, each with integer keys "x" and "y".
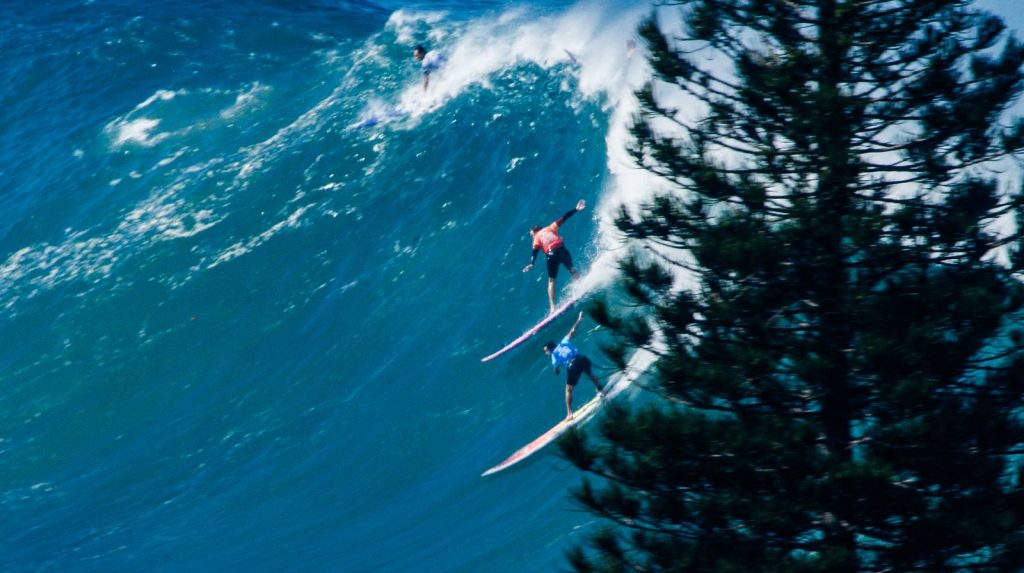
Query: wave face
{"x": 239, "y": 335}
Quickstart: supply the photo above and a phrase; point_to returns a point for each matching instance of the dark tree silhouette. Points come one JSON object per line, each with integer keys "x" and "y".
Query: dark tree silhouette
{"x": 842, "y": 388}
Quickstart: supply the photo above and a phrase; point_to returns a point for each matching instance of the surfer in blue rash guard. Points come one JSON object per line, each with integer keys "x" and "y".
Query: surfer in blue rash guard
{"x": 547, "y": 239}
{"x": 564, "y": 354}
{"x": 429, "y": 62}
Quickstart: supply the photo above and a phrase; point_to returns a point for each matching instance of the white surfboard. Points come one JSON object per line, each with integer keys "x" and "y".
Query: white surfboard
{"x": 532, "y": 330}
{"x": 579, "y": 417}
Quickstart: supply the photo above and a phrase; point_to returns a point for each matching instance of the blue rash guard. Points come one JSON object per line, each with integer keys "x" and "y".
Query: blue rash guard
{"x": 563, "y": 354}
{"x": 576, "y": 364}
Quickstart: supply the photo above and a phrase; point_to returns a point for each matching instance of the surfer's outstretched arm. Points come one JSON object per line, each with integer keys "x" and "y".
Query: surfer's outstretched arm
{"x": 579, "y": 207}
{"x": 572, "y": 331}
{"x": 533, "y": 258}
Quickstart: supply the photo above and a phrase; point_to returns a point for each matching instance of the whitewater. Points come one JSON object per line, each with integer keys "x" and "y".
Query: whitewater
{"x": 238, "y": 335}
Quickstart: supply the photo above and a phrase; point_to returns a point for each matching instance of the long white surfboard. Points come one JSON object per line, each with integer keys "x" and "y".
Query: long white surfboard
{"x": 579, "y": 417}
{"x": 532, "y": 330}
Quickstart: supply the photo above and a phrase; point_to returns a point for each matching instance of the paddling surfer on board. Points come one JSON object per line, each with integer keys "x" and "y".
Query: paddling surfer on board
{"x": 547, "y": 239}
{"x": 576, "y": 365}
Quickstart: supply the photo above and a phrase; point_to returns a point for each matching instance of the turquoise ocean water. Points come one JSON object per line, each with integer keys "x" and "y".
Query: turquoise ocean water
{"x": 237, "y": 336}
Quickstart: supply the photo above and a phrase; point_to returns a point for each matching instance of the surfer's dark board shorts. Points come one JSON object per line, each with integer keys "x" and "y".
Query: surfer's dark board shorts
{"x": 559, "y": 256}
{"x": 577, "y": 367}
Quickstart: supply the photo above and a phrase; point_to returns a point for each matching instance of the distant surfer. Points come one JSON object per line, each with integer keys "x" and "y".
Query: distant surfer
{"x": 564, "y": 354}
{"x": 429, "y": 62}
{"x": 547, "y": 239}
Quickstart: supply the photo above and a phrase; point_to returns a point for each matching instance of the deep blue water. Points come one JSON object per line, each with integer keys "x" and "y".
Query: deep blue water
{"x": 238, "y": 336}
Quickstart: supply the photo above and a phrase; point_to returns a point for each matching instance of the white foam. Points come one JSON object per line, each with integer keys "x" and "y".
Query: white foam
{"x": 595, "y": 34}
{"x": 138, "y": 131}
{"x": 91, "y": 256}
{"x": 172, "y": 158}
{"x": 139, "y": 126}
{"x": 242, "y": 247}
{"x": 598, "y": 40}
{"x": 159, "y": 95}
{"x": 404, "y": 21}
{"x": 244, "y": 101}
{"x": 257, "y": 155}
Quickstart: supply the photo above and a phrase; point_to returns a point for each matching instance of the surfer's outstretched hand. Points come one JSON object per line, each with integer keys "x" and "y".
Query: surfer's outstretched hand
{"x": 581, "y": 205}
{"x": 572, "y": 331}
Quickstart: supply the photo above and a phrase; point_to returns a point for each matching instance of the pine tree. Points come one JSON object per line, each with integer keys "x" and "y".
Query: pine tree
{"x": 842, "y": 388}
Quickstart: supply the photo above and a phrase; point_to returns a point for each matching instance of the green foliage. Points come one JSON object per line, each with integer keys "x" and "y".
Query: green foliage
{"x": 842, "y": 389}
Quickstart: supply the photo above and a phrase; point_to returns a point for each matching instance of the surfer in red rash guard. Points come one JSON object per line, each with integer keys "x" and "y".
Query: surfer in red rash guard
{"x": 547, "y": 239}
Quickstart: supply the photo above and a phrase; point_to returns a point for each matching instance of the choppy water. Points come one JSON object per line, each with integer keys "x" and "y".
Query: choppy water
{"x": 236, "y": 335}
